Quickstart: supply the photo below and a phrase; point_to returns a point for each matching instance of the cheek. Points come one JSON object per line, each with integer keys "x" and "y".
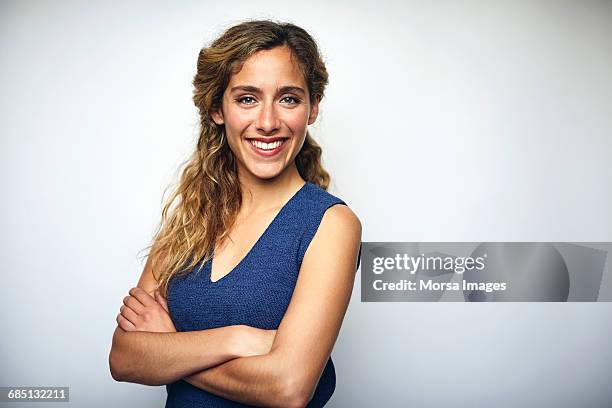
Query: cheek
{"x": 297, "y": 120}
{"x": 236, "y": 120}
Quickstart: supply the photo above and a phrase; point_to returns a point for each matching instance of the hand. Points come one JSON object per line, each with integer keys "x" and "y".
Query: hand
{"x": 142, "y": 312}
{"x": 255, "y": 341}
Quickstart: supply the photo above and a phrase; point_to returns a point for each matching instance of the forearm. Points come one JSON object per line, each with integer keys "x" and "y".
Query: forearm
{"x": 257, "y": 380}
{"x": 161, "y": 358}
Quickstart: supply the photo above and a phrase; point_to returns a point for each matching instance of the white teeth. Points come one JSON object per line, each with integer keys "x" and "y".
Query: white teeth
{"x": 266, "y": 146}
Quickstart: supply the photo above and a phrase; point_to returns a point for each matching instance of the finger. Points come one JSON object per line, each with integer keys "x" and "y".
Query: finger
{"x": 130, "y": 315}
{"x": 162, "y": 301}
{"x": 124, "y": 323}
{"x": 142, "y": 296}
{"x": 134, "y": 304}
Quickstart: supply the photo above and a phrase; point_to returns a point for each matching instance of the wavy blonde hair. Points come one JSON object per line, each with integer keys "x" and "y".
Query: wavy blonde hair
{"x": 208, "y": 196}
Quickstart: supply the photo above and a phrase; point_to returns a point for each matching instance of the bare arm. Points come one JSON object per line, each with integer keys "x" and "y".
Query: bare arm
{"x": 289, "y": 374}
{"x": 162, "y": 358}
{"x": 256, "y": 380}
{"x": 146, "y": 348}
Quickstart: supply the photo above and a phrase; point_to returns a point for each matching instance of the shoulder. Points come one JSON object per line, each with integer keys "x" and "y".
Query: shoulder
{"x": 339, "y": 231}
{"x": 341, "y": 217}
{"x": 336, "y": 245}
{"x": 332, "y": 210}
{"x": 336, "y": 212}
{"x": 329, "y": 226}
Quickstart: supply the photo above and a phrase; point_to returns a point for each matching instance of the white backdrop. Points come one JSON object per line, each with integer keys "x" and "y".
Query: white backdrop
{"x": 443, "y": 121}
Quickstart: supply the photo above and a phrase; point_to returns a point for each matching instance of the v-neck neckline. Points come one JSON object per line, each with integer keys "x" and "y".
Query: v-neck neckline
{"x": 261, "y": 237}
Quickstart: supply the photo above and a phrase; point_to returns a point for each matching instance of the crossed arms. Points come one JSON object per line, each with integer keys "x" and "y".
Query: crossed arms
{"x": 246, "y": 364}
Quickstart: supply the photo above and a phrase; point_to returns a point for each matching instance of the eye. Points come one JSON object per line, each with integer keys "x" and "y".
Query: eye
{"x": 247, "y": 100}
{"x": 292, "y": 100}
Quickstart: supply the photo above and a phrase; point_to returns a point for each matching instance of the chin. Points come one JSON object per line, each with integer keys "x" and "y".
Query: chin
{"x": 265, "y": 174}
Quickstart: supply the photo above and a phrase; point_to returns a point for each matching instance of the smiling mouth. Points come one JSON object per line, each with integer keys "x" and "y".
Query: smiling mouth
{"x": 267, "y": 148}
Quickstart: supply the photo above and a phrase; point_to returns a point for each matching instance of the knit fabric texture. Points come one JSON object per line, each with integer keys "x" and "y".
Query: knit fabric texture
{"x": 256, "y": 292}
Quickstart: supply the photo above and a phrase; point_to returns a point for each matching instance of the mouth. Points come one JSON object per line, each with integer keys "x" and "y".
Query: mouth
{"x": 267, "y": 149}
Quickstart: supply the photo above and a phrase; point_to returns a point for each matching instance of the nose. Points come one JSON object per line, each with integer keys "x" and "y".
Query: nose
{"x": 267, "y": 119}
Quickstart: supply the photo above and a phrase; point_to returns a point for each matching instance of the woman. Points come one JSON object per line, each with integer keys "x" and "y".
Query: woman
{"x": 249, "y": 277}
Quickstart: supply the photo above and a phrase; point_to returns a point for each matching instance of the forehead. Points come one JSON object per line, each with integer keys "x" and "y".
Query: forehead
{"x": 269, "y": 68}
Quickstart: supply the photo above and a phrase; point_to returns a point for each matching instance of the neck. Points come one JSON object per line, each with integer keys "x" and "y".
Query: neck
{"x": 265, "y": 194}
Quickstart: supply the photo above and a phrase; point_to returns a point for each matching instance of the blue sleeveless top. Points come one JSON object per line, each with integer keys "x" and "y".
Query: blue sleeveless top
{"x": 255, "y": 293}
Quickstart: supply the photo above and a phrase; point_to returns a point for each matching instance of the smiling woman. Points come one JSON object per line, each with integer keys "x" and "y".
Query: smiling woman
{"x": 265, "y": 112}
{"x": 250, "y": 274}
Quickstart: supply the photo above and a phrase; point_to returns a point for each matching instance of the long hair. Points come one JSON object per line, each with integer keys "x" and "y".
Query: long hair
{"x": 208, "y": 196}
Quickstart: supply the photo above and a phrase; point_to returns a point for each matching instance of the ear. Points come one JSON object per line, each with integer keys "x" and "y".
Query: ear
{"x": 314, "y": 111}
{"x": 217, "y": 117}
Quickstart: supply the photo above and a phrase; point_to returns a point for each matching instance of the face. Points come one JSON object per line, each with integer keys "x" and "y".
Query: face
{"x": 266, "y": 111}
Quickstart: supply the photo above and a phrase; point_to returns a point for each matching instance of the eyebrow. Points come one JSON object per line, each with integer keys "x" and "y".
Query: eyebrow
{"x": 254, "y": 89}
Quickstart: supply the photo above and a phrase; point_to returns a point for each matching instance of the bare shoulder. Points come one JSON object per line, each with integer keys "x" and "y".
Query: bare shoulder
{"x": 341, "y": 217}
{"x": 336, "y": 241}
